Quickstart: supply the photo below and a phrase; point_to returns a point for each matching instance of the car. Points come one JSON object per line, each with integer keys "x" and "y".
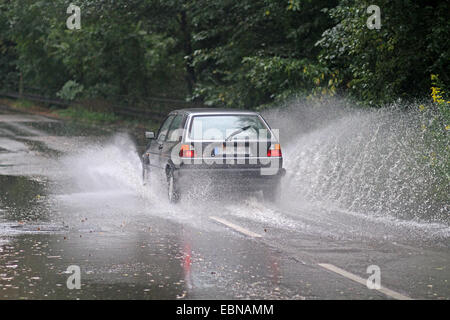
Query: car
{"x": 226, "y": 148}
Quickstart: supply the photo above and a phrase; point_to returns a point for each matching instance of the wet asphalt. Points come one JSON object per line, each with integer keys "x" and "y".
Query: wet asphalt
{"x": 71, "y": 194}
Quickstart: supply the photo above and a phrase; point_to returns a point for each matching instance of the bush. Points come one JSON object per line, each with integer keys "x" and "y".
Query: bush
{"x": 80, "y": 113}
{"x": 435, "y": 133}
{"x": 70, "y": 90}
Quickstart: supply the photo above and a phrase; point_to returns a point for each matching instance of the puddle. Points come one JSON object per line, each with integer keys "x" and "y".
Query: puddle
{"x": 22, "y": 199}
{"x": 41, "y": 148}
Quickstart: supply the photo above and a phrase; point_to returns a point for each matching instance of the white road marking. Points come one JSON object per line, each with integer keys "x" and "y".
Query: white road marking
{"x": 236, "y": 227}
{"x": 330, "y": 267}
{"x": 362, "y": 281}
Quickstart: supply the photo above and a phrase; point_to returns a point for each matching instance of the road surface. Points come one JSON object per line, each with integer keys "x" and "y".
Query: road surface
{"x": 71, "y": 195}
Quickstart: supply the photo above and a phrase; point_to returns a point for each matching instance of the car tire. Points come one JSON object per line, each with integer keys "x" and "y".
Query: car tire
{"x": 172, "y": 192}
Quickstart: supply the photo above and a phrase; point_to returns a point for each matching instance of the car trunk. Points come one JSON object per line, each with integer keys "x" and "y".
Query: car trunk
{"x": 242, "y": 154}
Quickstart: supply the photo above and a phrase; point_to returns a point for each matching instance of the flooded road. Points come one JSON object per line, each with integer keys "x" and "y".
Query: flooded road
{"x": 72, "y": 195}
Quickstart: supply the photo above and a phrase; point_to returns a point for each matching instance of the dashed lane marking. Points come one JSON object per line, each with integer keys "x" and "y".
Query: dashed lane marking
{"x": 236, "y": 227}
{"x": 362, "y": 281}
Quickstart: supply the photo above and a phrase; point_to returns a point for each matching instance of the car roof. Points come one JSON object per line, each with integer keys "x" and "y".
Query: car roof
{"x": 195, "y": 111}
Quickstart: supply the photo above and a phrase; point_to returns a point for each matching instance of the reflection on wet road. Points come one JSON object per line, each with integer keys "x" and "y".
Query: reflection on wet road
{"x": 72, "y": 195}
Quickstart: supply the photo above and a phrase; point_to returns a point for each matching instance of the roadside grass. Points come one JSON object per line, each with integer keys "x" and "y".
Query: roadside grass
{"x": 81, "y": 114}
{"x": 23, "y": 103}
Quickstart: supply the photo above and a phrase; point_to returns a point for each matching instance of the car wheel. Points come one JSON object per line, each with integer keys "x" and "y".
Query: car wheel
{"x": 172, "y": 192}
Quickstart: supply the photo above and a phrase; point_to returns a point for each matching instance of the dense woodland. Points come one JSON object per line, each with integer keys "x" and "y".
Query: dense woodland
{"x": 242, "y": 54}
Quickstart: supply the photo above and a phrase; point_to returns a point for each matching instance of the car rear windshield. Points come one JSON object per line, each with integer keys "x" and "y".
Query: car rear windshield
{"x": 231, "y": 127}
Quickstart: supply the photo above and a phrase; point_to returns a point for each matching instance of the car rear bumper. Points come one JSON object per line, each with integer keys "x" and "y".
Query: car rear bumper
{"x": 230, "y": 178}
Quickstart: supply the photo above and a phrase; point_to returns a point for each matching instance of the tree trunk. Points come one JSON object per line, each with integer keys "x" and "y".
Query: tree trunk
{"x": 190, "y": 72}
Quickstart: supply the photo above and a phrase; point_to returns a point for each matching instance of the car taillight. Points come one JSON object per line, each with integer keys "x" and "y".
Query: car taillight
{"x": 274, "y": 151}
{"x": 187, "y": 151}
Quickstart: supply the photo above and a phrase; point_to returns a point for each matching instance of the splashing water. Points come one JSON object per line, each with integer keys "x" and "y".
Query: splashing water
{"x": 108, "y": 174}
{"x": 365, "y": 161}
{"x": 113, "y": 165}
{"x": 365, "y": 164}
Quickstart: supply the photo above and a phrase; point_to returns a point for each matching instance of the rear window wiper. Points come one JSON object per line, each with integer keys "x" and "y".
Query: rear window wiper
{"x": 237, "y": 132}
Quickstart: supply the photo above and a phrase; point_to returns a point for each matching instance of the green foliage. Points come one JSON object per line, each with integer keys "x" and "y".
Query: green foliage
{"x": 30, "y": 22}
{"x": 380, "y": 66}
{"x": 8, "y": 56}
{"x": 83, "y": 114}
{"x": 243, "y": 54}
{"x": 70, "y": 90}
{"x": 249, "y": 53}
{"x": 115, "y": 52}
{"x": 23, "y": 103}
{"x": 435, "y": 134}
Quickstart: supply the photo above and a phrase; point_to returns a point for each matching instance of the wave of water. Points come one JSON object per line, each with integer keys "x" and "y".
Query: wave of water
{"x": 365, "y": 161}
{"x": 360, "y": 164}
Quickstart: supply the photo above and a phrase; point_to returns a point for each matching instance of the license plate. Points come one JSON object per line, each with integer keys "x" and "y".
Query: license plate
{"x": 230, "y": 151}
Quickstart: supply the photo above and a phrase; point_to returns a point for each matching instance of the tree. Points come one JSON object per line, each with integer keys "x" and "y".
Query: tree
{"x": 9, "y": 75}
{"x": 379, "y": 66}
{"x": 248, "y": 53}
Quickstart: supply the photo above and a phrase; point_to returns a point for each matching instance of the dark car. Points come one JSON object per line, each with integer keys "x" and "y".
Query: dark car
{"x": 224, "y": 148}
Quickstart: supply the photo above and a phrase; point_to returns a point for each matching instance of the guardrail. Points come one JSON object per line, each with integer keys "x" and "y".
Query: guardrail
{"x": 153, "y": 107}
{"x": 34, "y": 97}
